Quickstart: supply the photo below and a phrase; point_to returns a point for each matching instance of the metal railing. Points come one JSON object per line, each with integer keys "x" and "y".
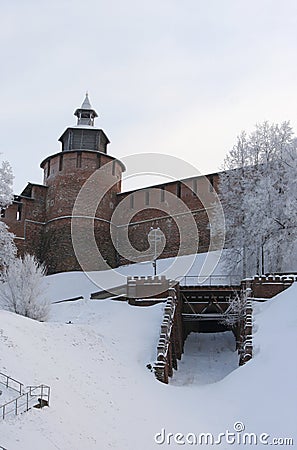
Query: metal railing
{"x": 11, "y": 383}
{"x": 25, "y": 401}
{"x": 211, "y": 280}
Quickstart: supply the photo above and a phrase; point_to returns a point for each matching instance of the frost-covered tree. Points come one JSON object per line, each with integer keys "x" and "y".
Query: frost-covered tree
{"x": 7, "y": 246}
{"x": 23, "y": 291}
{"x": 6, "y": 179}
{"x": 258, "y": 190}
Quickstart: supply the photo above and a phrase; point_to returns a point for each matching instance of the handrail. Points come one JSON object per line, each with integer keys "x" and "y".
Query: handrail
{"x": 209, "y": 280}
{"x": 6, "y": 383}
{"x": 28, "y": 396}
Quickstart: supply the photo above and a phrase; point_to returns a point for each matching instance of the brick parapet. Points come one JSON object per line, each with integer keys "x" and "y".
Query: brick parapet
{"x": 267, "y": 286}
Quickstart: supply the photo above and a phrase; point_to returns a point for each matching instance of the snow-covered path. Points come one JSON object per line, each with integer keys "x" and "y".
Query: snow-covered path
{"x": 207, "y": 358}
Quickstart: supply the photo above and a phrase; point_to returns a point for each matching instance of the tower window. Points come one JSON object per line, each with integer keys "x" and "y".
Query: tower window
{"x": 195, "y": 187}
{"x": 78, "y": 160}
{"x": 48, "y": 170}
{"x": 131, "y": 201}
{"x": 113, "y": 168}
{"x": 178, "y": 189}
{"x": 19, "y": 213}
{"x": 210, "y": 179}
{"x": 147, "y": 197}
{"x": 98, "y": 161}
{"x": 61, "y": 163}
{"x": 163, "y": 194}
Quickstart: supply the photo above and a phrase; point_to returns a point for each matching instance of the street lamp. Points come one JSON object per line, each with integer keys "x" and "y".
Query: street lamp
{"x": 155, "y": 236}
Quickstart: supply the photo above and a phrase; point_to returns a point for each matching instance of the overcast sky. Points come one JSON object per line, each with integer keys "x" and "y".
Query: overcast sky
{"x": 182, "y": 77}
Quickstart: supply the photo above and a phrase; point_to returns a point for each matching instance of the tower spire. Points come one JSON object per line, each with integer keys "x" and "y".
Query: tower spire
{"x": 86, "y": 114}
{"x": 86, "y": 103}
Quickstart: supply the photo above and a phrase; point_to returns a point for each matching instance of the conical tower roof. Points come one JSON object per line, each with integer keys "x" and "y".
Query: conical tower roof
{"x": 86, "y": 103}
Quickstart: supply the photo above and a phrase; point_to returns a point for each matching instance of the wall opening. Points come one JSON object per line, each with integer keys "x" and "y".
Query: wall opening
{"x": 210, "y": 179}
{"x": 207, "y": 358}
{"x": 19, "y": 213}
{"x": 61, "y": 163}
{"x": 78, "y": 160}
{"x": 195, "y": 187}
{"x": 98, "y": 161}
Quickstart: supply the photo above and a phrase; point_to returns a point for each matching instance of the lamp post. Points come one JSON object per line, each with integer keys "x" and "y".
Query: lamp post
{"x": 155, "y": 236}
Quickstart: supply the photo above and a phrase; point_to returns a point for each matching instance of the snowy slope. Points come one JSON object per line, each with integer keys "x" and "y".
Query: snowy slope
{"x": 103, "y": 396}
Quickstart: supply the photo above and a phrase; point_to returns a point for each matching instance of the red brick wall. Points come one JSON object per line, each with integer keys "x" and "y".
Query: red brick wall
{"x": 156, "y": 209}
{"x": 45, "y": 225}
{"x": 29, "y": 229}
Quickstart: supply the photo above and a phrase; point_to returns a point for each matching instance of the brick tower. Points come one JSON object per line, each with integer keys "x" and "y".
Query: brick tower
{"x": 84, "y": 150}
{"x": 41, "y": 216}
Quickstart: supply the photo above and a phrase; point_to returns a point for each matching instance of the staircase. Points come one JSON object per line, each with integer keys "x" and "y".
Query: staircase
{"x": 31, "y": 396}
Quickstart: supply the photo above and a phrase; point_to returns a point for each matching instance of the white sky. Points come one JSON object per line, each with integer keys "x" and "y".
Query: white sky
{"x": 171, "y": 76}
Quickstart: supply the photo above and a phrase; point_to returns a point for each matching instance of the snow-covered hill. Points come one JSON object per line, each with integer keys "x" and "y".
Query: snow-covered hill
{"x": 103, "y": 396}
